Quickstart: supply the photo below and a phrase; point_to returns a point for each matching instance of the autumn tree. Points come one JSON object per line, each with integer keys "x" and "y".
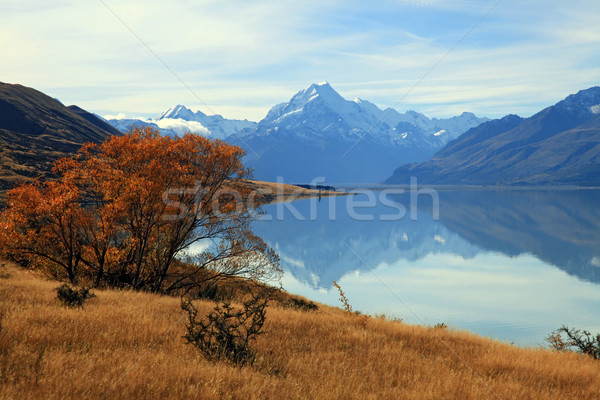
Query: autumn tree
{"x": 41, "y": 228}
{"x": 126, "y": 213}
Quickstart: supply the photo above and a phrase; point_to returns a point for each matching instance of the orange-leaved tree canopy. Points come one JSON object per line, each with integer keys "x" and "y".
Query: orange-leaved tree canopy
{"x": 126, "y": 212}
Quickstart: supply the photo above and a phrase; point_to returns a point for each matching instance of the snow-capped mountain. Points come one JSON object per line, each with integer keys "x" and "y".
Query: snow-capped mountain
{"x": 180, "y": 119}
{"x": 322, "y": 101}
{"x": 328, "y": 112}
{"x": 445, "y": 128}
{"x": 319, "y": 133}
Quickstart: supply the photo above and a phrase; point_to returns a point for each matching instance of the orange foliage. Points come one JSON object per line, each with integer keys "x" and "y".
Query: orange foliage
{"x": 123, "y": 212}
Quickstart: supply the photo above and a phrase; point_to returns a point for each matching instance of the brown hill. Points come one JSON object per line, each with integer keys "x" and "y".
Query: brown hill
{"x": 36, "y": 129}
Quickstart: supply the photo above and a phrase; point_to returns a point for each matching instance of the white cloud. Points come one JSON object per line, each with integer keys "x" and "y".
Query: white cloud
{"x": 439, "y": 239}
{"x": 118, "y": 116}
{"x": 244, "y": 57}
{"x": 181, "y": 126}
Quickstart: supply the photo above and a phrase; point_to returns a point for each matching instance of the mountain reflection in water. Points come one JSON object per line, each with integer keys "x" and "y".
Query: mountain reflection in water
{"x": 559, "y": 227}
{"x": 511, "y": 264}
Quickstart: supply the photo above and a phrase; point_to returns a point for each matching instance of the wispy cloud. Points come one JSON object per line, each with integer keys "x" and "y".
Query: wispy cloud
{"x": 243, "y": 57}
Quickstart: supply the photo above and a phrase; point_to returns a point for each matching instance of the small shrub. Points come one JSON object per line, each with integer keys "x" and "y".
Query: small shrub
{"x": 214, "y": 292}
{"x": 363, "y": 320}
{"x": 387, "y": 317}
{"x": 343, "y": 298}
{"x": 301, "y": 304}
{"x": 72, "y": 297}
{"x": 556, "y": 342}
{"x": 581, "y": 341}
{"x": 226, "y": 333}
{"x": 440, "y": 325}
{"x": 3, "y": 273}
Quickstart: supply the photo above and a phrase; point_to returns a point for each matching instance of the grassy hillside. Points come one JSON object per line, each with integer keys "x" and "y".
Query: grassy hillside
{"x": 127, "y": 345}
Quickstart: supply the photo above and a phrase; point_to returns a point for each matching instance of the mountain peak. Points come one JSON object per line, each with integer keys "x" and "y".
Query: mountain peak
{"x": 317, "y": 93}
{"x": 414, "y": 113}
{"x": 180, "y": 107}
{"x": 179, "y": 111}
{"x": 322, "y": 110}
{"x": 584, "y": 100}
{"x": 326, "y": 93}
{"x": 322, "y": 88}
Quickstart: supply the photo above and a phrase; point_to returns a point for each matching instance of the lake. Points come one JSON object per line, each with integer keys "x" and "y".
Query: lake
{"x": 508, "y": 264}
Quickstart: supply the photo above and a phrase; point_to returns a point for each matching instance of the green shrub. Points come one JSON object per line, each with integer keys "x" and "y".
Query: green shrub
{"x": 72, "y": 297}
{"x": 301, "y": 304}
{"x": 581, "y": 341}
{"x": 226, "y": 333}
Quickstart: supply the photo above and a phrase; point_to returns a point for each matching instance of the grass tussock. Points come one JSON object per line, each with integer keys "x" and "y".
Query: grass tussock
{"x": 128, "y": 345}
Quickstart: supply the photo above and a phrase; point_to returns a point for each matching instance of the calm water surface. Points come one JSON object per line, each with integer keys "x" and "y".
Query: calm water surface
{"x": 512, "y": 264}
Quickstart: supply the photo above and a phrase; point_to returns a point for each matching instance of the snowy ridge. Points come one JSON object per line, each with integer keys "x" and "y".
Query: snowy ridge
{"x": 179, "y": 120}
{"x": 318, "y": 108}
{"x": 321, "y": 109}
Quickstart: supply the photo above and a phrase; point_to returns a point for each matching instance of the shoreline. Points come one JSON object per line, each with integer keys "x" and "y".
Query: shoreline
{"x": 274, "y": 192}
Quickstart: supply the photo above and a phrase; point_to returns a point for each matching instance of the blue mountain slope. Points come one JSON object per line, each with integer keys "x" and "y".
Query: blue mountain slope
{"x": 558, "y": 145}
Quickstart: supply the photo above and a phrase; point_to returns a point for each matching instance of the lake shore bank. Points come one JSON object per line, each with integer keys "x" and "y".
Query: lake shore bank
{"x": 275, "y": 192}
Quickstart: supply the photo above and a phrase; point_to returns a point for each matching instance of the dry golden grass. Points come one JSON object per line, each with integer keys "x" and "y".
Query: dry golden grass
{"x": 126, "y": 345}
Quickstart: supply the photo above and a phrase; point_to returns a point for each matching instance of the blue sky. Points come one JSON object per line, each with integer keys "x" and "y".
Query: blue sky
{"x": 239, "y": 58}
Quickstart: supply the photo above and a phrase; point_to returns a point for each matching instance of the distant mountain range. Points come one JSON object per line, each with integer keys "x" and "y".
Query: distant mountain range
{"x": 318, "y": 133}
{"x": 179, "y": 119}
{"x": 559, "y": 145}
{"x": 36, "y": 130}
